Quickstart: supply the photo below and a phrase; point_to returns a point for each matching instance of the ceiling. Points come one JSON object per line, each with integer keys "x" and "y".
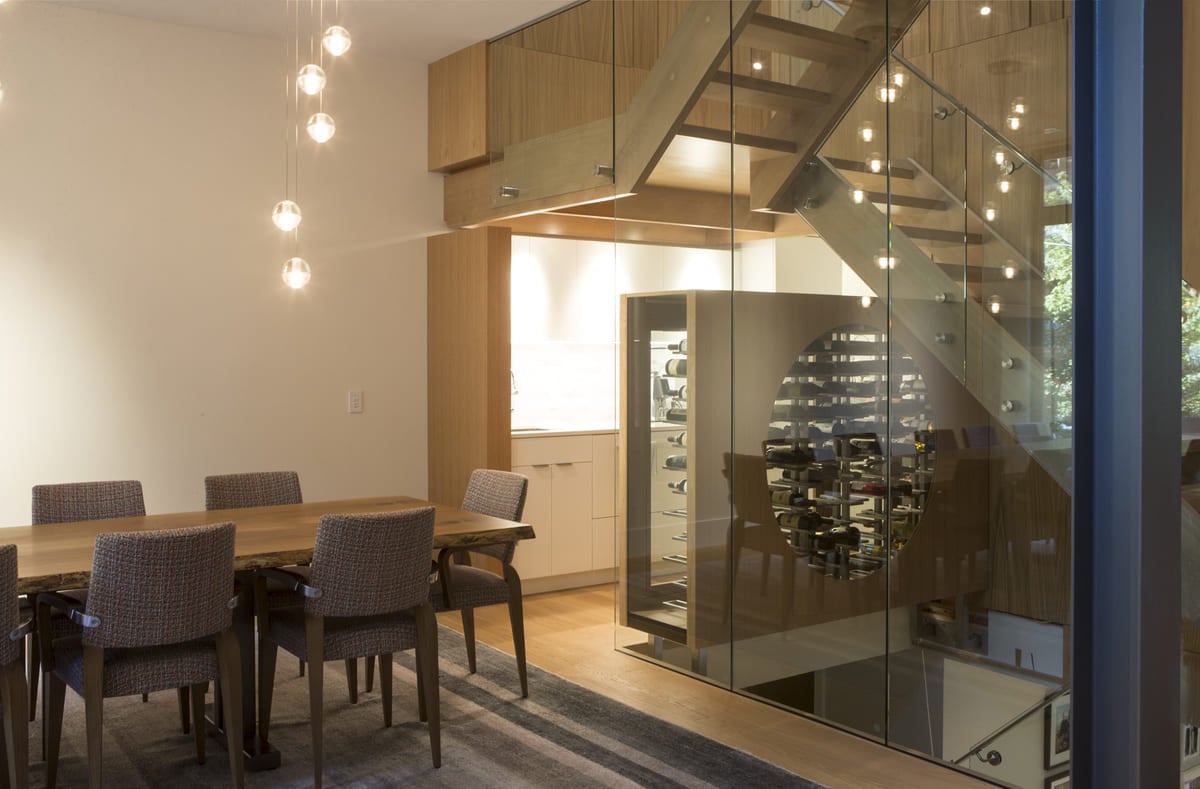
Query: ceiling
{"x": 423, "y": 30}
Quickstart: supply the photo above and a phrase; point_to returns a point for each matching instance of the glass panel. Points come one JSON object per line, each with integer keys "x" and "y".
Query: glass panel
{"x": 550, "y": 105}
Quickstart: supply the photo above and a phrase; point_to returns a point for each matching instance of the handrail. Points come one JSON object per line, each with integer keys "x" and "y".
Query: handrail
{"x": 960, "y": 107}
{"x": 988, "y": 740}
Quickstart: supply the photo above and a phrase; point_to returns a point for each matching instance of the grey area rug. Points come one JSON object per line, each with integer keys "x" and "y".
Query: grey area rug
{"x": 562, "y": 735}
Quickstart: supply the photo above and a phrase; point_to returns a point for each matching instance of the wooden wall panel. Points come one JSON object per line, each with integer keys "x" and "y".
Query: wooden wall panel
{"x": 535, "y": 94}
{"x": 636, "y": 33}
{"x": 957, "y": 22}
{"x": 469, "y": 357}
{"x": 583, "y": 31}
{"x": 1043, "y": 11}
{"x": 916, "y": 40}
{"x": 1191, "y": 142}
{"x": 458, "y": 109}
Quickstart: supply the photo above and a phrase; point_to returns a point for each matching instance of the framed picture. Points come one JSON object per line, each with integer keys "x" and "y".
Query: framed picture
{"x": 1060, "y": 781}
{"x": 1058, "y": 733}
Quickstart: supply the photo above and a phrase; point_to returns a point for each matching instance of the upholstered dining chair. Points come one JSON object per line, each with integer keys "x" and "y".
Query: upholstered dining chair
{"x": 81, "y": 501}
{"x": 464, "y": 588}
{"x": 260, "y": 489}
{"x": 14, "y": 695}
{"x": 158, "y": 616}
{"x": 367, "y": 593}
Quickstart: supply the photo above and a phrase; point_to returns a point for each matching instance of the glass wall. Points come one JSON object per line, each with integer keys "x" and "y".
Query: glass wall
{"x": 842, "y": 250}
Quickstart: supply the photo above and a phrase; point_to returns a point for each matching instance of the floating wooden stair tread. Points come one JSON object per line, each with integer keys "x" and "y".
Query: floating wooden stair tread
{"x": 757, "y": 92}
{"x": 908, "y": 201}
{"x": 801, "y": 41}
{"x": 861, "y": 167}
{"x": 738, "y": 138}
{"x": 936, "y": 234}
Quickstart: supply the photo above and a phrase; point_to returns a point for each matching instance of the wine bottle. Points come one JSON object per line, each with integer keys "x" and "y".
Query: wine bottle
{"x": 676, "y": 461}
{"x": 680, "y": 486}
{"x": 808, "y": 521}
{"x": 676, "y": 368}
{"x": 679, "y": 439}
{"x": 790, "y": 498}
{"x": 679, "y": 347}
{"x": 678, "y": 415}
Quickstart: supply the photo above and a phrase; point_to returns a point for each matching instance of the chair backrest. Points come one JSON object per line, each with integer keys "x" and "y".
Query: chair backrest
{"x": 10, "y": 614}
{"x": 373, "y": 563}
{"x": 161, "y": 587}
{"x": 256, "y": 489}
{"x": 87, "y": 501}
{"x": 500, "y": 494}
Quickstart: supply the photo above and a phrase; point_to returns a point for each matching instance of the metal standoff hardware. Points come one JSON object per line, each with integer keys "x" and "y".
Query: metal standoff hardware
{"x": 510, "y": 191}
{"x": 1008, "y": 406}
{"x": 1009, "y": 363}
{"x": 941, "y": 298}
{"x": 606, "y": 170}
{"x": 944, "y": 337}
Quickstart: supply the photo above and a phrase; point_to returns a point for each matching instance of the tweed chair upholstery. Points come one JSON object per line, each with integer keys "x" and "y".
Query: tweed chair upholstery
{"x": 471, "y": 587}
{"x": 130, "y": 672}
{"x": 10, "y": 609}
{"x": 500, "y": 494}
{"x": 177, "y": 581}
{"x": 87, "y": 501}
{"x": 256, "y": 489}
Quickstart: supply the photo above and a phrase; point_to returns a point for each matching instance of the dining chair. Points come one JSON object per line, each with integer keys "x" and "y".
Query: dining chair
{"x": 259, "y": 489}
{"x": 367, "y": 594}
{"x": 158, "y": 616}
{"x": 81, "y": 501}
{"x": 14, "y": 695}
{"x": 462, "y": 587}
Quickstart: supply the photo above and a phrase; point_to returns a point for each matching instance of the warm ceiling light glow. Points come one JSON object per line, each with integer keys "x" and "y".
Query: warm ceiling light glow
{"x": 1000, "y": 156}
{"x": 286, "y": 215}
{"x": 1005, "y": 184}
{"x": 858, "y": 196}
{"x": 757, "y": 65}
{"x": 867, "y": 301}
{"x": 994, "y": 305}
{"x": 875, "y": 163}
{"x": 320, "y": 127}
{"x": 885, "y": 261}
{"x": 866, "y": 132}
{"x": 311, "y": 79}
{"x": 1, "y": 83}
{"x": 985, "y": 9}
{"x": 1014, "y": 122}
{"x": 336, "y": 40}
{"x": 1018, "y": 106}
{"x": 1010, "y": 271}
{"x": 886, "y": 94}
{"x": 296, "y": 273}
{"x": 989, "y": 212}
{"x": 898, "y": 79}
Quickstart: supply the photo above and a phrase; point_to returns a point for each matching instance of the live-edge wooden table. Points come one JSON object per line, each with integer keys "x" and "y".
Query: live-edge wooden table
{"x": 58, "y": 556}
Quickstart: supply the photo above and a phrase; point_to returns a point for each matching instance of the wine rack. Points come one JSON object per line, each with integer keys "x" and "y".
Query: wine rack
{"x": 832, "y": 486}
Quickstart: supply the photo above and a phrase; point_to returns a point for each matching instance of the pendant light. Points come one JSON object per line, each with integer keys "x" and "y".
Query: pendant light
{"x": 311, "y": 79}
{"x": 296, "y": 273}
{"x": 286, "y": 215}
{"x": 336, "y": 40}
{"x": 321, "y": 127}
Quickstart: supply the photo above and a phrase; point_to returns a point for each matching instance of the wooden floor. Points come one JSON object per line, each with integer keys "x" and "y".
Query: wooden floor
{"x": 571, "y": 634}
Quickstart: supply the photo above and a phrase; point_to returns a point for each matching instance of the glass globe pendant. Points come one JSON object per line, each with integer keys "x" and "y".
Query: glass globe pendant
{"x": 1, "y": 84}
{"x": 286, "y": 215}
{"x": 320, "y": 127}
{"x": 296, "y": 273}
{"x": 336, "y": 40}
{"x": 311, "y": 79}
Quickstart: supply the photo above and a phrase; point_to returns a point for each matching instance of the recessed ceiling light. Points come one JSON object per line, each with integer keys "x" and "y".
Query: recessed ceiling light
{"x": 985, "y": 9}
{"x": 757, "y": 65}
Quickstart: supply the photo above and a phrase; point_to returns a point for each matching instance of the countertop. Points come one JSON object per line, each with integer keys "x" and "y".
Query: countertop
{"x": 583, "y": 430}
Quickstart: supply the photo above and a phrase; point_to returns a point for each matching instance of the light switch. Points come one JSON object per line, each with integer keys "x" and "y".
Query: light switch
{"x": 354, "y": 402}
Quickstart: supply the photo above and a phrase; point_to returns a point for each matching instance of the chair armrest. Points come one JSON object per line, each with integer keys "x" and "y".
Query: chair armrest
{"x": 21, "y": 630}
{"x": 294, "y": 581}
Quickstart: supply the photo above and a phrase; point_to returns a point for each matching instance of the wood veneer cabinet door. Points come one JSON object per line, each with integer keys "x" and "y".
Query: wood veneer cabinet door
{"x": 469, "y": 357}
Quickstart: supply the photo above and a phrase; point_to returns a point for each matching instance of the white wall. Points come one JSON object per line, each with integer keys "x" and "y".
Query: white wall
{"x": 144, "y": 329}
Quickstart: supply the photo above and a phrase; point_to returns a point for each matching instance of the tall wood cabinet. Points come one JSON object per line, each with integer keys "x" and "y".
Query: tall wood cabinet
{"x": 469, "y": 357}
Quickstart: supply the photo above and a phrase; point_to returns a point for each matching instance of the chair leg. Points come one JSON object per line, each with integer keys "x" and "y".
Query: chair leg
{"x": 54, "y": 695}
{"x": 5, "y": 780}
{"x": 468, "y": 620}
{"x": 516, "y": 617}
{"x": 16, "y": 725}
{"x": 352, "y": 679}
{"x": 93, "y": 702}
{"x": 267, "y": 652}
{"x": 422, "y": 713}
{"x": 185, "y": 718}
{"x": 371, "y": 673}
{"x": 229, "y": 660}
{"x": 314, "y": 635}
{"x": 385, "y": 686}
{"x": 35, "y": 668}
{"x": 427, "y": 655}
{"x": 197, "y": 705}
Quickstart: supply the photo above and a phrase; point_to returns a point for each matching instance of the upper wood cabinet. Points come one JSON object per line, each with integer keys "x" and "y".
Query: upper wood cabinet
{"x": 458, "y": 109}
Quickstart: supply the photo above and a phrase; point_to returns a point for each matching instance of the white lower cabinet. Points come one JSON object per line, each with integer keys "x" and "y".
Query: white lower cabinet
{"x": 562, "y": 504}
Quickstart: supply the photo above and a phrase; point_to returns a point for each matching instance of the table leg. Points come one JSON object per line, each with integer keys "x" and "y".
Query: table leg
{"x": 258, "y": 753}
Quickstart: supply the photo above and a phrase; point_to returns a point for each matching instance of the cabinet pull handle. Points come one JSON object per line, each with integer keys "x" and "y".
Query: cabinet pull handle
{"x": 540, "y": 465}
{"x": 568, "y": 463}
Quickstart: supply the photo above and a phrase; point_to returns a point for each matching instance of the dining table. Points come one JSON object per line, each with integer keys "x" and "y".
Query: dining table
{"x": 55, "y": 557}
